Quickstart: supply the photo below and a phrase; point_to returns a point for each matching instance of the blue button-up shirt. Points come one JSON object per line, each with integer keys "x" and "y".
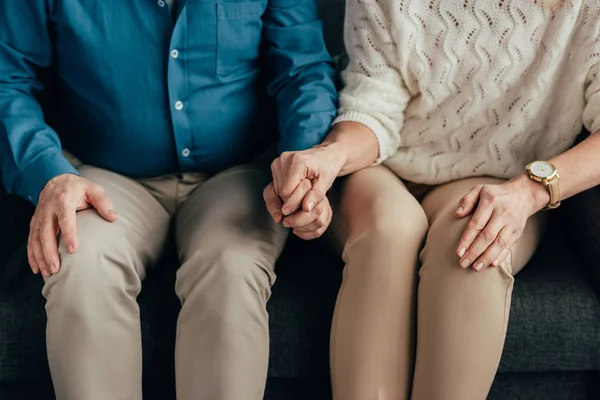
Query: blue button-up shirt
{"x": 142, "y": 94}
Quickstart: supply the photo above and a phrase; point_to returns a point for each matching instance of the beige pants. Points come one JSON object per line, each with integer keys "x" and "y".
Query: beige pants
{"x": 228, "y": 246}
{"x": 461, "y": 315}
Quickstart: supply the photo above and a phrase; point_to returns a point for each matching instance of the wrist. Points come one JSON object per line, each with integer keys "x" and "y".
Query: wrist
{"x": 337, "y": 154}
{"x": 537, "y": 191}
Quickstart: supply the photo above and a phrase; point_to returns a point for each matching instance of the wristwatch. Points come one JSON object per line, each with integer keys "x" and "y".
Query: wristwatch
{"x": 545, "y": 172}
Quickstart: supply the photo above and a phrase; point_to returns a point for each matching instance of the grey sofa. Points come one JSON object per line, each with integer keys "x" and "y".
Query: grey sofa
{"x": 552, "y": 350}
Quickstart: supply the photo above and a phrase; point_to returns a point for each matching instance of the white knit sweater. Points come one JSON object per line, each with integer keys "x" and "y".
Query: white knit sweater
{"x": 461, "y": 88}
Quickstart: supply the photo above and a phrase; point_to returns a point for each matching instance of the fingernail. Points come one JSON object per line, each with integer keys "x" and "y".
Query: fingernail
{"x": 53, "y": 268}
{"x": 465, "y": 263}
{"x": 460, "y": 210}
{"x": 479, "y": 267}
{"x": 71, "y": 249}
{"x": 286, "y": 224}
{"x": 462, "y": 252}
{"x": 311, "y": 205}
{"x": 112, "y": 214}
{"x": 276, "y": 216}
{"x": 45, "y": 273}
{"x": 285, "y": 211}
{"x": 496, "y": 263}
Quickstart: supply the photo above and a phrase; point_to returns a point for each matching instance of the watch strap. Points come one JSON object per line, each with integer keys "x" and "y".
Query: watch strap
{"x": 554, "y": 190}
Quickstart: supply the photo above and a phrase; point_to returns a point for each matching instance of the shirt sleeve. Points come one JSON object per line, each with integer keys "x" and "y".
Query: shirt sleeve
{"x": 301, "y": 77}
{"x": 374, "y": 92}
{"x": 30, "y": 151}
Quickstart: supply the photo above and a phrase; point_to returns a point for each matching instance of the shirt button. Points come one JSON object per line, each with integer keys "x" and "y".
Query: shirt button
{"x": 178, "y": 105}
{"x": 185, "y": 152}
{"x": 174, "y": 53}
{"x": 161, "y": 3}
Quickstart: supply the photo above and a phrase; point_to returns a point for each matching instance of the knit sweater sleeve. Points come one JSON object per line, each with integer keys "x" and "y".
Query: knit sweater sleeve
{"x": 375, "y": 94}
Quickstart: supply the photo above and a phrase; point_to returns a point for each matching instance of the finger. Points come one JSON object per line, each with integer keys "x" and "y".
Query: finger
{"x": 38, "y": 254}
{"x": 476, "y": 224}
{"x": 31, "y": 257}
{"x": 317, "y": 194}
{"x": 501, "y": 258}
{"x": 275, "y": 173}
{"x": 484, "y": 240}
{"x": 67, "y": 223}
{"x": 314, "y": 234}
{"x": 49, "y": 245}
{"x": 310, "y": 235}
{"x": 491, "y": 256}
{"x": 468, "y": 203}
{"x": 101, "y": 202}
{"x": 294, "y": 201}
{"x": 302, "y": 218}
{"x": 321, "y": 221}
{"x": 295, "y": 174}
{"x": 273, "y": 203}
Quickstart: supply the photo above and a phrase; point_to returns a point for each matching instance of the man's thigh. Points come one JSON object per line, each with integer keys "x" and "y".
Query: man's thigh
{"x": 135, "y": 239}
{"x": 228, "y": 213}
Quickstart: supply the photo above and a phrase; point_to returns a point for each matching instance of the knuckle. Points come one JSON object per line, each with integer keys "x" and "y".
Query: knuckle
{"x": 476, "y": 225}
{"x": 319, "y": 208}
{"x": 488, "y": 234}
{"x": 488, "y": 196}
{"x": 62, "y": 197}
{"x": 504, "y": 243}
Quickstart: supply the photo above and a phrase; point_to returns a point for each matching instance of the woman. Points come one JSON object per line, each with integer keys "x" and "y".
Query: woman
{"x": 455, "y": 98}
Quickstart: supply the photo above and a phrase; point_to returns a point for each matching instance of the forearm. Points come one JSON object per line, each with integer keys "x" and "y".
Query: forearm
{"x": 353, "y": 143}
{"x": 578, "y": 167}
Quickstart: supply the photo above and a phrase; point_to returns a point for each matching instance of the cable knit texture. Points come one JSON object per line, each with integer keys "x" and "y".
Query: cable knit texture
{"x": 461, "y": 88}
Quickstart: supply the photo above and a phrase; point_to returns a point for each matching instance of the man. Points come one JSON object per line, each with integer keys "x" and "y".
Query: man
{"x": 166, "y": 106}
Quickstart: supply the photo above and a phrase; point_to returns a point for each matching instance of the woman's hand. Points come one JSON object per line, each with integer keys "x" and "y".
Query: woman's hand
{"x": 500, "y": 215}
{"x": 297, "y": 195}
{"x": 301, "y": 179}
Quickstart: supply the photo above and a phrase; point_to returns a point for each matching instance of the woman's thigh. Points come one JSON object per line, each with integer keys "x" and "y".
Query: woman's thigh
{"x": 374, "y": 201}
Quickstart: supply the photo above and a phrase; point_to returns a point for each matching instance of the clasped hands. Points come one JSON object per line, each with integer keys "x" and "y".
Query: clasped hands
{"x": 297, "y": 197}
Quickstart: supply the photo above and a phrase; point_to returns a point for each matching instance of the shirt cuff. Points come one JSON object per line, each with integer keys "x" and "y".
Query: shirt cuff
{"x": 387, "y": 144}
{"x": 43, "y": 169}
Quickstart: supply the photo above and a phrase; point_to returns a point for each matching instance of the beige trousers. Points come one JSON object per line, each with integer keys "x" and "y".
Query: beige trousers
{"x": 461, "y": 315}
{"x": 228, "y": 246}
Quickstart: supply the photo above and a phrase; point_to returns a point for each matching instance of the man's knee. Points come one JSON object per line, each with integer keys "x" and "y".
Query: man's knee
{"x": 95, "y": 272}
{"x": 229, "y": 270}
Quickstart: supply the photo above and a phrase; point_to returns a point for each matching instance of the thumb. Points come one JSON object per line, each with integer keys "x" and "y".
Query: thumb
{"x": 317, "y": 194}
{"x": 102, "y": 203}
{"x": 468, "y": 202}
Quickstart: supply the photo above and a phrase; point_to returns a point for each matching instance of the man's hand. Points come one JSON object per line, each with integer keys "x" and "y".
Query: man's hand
{"x": 306, "y": 225}
{"x": 59, "y": 201}
{"x": 303, "y": 178}
{"x": 500, "y": 213}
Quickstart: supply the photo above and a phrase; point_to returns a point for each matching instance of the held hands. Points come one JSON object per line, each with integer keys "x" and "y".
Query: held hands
{"x": 297, "y": 196}
{"x": 59, "y": 201}
{"x": 500, "y": 213}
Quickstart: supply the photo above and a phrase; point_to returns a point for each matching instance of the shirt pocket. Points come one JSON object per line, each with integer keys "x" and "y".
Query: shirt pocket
{"x": 239, "y": 32}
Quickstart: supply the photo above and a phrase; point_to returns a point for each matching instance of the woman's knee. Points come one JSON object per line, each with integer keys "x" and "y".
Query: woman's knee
{"x": 376, "y": 203}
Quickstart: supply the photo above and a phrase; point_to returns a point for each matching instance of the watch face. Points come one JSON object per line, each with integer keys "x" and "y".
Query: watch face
{"x": 542, "y": 169}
